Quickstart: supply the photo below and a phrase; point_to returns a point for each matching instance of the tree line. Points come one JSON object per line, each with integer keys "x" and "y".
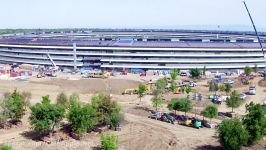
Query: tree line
{"x": 46, "y": 116}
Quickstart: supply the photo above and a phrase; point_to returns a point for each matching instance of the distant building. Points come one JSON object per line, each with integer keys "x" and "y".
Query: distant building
{"x": 156, "y": 49}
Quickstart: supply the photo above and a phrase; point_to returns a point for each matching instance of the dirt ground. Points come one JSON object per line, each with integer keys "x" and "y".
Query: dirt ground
{"x": 138, "y": 131}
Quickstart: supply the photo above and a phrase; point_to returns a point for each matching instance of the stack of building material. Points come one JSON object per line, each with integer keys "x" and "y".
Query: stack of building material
{"x": 25, "y": 73}
{"x": 14, "y": 74}
{"x": 26, "y": 67}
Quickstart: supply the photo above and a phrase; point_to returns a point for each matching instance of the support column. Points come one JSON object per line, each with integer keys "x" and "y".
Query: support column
{"x": 75, "y": 56}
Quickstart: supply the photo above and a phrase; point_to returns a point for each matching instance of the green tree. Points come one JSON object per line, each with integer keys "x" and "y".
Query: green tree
{"x": 109, "y": 142}
{"x": 255, "y": 122}
{"x": 213, "y": 87}
{"x": 158, "y": 92}
{"x": 227, "y": 88}
{"x": 161, "y": 83}
{"x": 174, "y": 74}
{"x": 80, "y": 117}
{"x": 222, "y": 87}
{"x": 5, "y": 147}
{"x": 106, "y": 109}
{"x": 141, "y": 91}
{"x": 62, "y": 99}
{"x": 232, "y": 134}
{"x": 157, "y": 102}
{"x": 183, "y": 89}
{"x": 195, "y": 73}
{"x": 173, "y": 87}
{"x": 210, "y": 111}
{"x": 247, "y": 70}
{"x": 46, "y": 116}
{"x": 174, "y": 105}
{"x": 188, "y": 90}
{"x": 14, "y": 106}
{"x": 234, "y": 101}
{"x": 184, "y": 105}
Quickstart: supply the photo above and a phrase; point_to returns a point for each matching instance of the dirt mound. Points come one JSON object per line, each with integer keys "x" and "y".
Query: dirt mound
{"x": 84, "y": 86}
{"x": 57, "y": 137}
{"x": 262, "y": 83}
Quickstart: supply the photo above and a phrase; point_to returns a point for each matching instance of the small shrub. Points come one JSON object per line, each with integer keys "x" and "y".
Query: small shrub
{"x": 5, "y": 147}
{"x": 232, "y": 134}
{"x": 81, "y": 117}
{"x": 62, "y": 99}
{"x": 109, "y": 142}
{"x": 46, "y": 116}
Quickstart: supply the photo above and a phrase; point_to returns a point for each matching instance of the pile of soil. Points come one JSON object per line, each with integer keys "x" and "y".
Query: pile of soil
{"x": 92, "y": 86}
{"x": 11, "y": 124}
{"x": 56, "y": 137}
{"x": 262, "y": 83}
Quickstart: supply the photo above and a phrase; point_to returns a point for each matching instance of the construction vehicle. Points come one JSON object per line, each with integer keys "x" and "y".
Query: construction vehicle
{"x": 148, "y": 89}
{"x": 41, "y": 73}
{"x": 96, "y": 74}
{"x": 51, "y": 72}
{"x": 130, "y": 91}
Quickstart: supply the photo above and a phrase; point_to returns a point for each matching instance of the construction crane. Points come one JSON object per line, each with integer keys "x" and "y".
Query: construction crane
{"x": 262, "y": 49}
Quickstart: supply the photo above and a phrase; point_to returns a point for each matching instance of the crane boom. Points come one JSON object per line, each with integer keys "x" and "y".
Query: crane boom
{"x": 258, "y": 37}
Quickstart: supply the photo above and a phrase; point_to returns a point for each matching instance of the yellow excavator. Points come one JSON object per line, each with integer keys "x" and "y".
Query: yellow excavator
{"x": 148, "y": 89}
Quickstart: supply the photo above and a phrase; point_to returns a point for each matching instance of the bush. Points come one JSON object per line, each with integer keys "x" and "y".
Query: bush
{"x": 109, "y": 142}
{"x": 173, "y": 87}
{"x": 222, "y": 87}
{"x": 14, "y": 105}
{"x": 46, "y": 116}
{"x": 195, "y": 73}
{"x": 81, "y": 118}
{"x": 161, "y": 83}
{"x": 248, "y": 70}
{"x": 174, "y": 104}
{"x": 184, "y": 105}
{"x": 141, "y": 91}
{"x": 213, "y": 87}
{"x": 232, "y": 134}
{"x": 255, "y": 122}
{"x": 210, "y": 111}
{"x": 62, "y": 99}
{"x": 3, "y": 118}
{"x": 174, "y": 74}
{"x": 5, "y": 147}
{"x": 107, "y": 111}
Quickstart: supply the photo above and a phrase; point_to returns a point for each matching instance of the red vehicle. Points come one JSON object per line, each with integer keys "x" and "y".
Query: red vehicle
{"x": 142, "y": 74}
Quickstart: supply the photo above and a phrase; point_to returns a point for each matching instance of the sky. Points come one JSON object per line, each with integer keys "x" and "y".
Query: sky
{"x": 157, "y": 14}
